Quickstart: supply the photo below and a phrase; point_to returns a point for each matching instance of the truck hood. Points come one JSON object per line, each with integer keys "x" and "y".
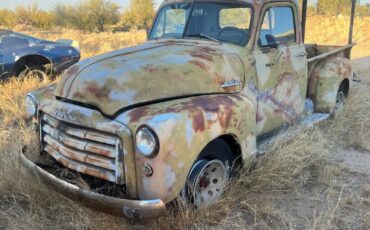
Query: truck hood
{"x": 151, "y": 72}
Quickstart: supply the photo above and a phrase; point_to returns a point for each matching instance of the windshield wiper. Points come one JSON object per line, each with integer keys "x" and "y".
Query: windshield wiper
{"x": 203, "y": 36}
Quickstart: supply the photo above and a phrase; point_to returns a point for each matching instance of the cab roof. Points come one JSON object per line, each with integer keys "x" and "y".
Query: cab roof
{"x": 252, "y": 2}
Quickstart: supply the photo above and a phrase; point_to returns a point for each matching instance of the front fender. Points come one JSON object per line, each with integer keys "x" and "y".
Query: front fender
{"x": 325, "y": 82}
{"x": 44, "y": 95}
{"x": 184, "y": 128}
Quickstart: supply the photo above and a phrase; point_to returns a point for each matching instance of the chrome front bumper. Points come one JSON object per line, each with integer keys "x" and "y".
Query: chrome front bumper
{"x": 132, "y": 209}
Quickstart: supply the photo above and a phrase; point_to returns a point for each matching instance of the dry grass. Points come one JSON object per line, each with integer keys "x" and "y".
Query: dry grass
{"x": 293, "y": 186}
{"x": 334, "y": 31}
{"x": 92, "y": 44}
{"x": 298, "y": 184}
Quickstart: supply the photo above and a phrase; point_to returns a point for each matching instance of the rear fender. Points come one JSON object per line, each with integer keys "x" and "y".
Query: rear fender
{"x": 326, "y": 80}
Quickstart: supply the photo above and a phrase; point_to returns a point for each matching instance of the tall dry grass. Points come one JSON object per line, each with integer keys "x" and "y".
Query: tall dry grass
{"x": 293, "y": 186}
{"x": 331, "y": 30}
{"x": 92, "y": 44}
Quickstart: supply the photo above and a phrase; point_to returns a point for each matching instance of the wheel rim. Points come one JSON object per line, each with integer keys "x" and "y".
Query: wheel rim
{"x": 339, "y": 103}
{"x": 209, "y": 183}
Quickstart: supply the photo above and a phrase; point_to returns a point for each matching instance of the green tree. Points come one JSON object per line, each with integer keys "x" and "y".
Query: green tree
{"x": 87, "y": 15}
{"x": 102, "y": 13}
{"x": 140, "y": 14}
{"x": 32, "y": 15}
{"x": 7, "y": 18}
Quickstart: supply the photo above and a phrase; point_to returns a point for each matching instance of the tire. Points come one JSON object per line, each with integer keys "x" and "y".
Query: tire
{"x": 34, "y": 72}
{"x": 209, "y": 175}
{"x": 339, "y": 103}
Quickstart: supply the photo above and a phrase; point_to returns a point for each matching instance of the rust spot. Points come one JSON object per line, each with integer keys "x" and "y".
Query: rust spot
{"x": 220, "y": 105}
{"x": 198, "y": 63}
{"x": 137, "y": 113}
{"x": 198, "y": 121}
{"x": 150, "y": 68}
{"x": 78, "y": 94}
{"x": 224, "y": 116}
{"x": 99, "y": 92}
{"x": 73, "y": 70}
{"x": 219, "y": 79}
{"x": 205, "y": 53}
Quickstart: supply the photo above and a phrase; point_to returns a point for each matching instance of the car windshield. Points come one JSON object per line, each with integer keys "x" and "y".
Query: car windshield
{"x": 224, "y": 22}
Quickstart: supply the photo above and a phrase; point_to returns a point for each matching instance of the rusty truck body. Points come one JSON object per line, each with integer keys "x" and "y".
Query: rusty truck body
{"x": 174, "y": 116}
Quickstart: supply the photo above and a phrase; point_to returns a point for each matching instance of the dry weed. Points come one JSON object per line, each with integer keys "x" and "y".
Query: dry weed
{"x": 92, "y": 44}
{"x": 352, "y": 127}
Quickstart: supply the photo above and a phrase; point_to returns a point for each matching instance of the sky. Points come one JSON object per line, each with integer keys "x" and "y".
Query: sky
{"x": 48, "y": 4}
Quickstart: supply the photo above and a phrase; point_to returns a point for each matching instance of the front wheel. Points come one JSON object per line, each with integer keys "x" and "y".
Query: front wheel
{"x": 209, "y": 175}
{"x": 207, "y": 182}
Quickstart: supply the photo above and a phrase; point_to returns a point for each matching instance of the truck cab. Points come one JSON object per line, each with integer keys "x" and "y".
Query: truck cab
{"x": 175, "y": 116}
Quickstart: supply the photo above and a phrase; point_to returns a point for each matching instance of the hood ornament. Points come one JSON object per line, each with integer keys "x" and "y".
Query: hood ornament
{"x": 231, "y": 83}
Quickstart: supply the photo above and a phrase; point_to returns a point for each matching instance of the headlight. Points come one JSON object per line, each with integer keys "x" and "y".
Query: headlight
{"x": 31, "y": 107}
{"x": 147, "y": 142}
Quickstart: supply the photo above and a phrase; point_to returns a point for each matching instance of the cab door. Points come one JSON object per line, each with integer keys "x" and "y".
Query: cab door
{"x": 281, "y": 67}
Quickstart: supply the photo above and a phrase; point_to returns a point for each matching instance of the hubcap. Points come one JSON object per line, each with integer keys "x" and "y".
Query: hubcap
{"x": 209, "y": 183}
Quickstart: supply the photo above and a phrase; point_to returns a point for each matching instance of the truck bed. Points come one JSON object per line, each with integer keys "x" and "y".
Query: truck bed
{"x": 317, "y": 53}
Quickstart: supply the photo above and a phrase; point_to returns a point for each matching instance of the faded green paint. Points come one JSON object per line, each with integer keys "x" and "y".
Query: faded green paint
{"x": 178, "y": 87}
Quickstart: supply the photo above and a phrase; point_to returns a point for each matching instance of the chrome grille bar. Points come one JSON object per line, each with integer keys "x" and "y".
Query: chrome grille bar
{"x": 84, "y": 150}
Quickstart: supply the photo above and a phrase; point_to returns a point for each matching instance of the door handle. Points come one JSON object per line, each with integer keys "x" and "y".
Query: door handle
{"x": 274, "y": 61}
{"x": 303, "y": 54}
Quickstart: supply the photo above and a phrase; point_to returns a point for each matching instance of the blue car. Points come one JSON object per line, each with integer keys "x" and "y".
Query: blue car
{"x": 24, "y": 56}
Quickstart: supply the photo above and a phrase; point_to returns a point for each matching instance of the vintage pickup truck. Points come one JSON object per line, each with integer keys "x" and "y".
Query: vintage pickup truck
{"x": 173, "y": 117}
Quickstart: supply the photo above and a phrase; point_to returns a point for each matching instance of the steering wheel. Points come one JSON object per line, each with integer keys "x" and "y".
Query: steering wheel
{"x": 232, "y": 29}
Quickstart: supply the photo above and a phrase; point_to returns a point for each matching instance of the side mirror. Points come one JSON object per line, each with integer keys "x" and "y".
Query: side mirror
{"x": 271, "y": 41}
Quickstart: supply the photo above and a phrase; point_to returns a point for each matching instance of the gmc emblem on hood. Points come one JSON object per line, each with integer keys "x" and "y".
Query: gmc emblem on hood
{"x": 60, "y": 113}
{"x": 63, "y": 114}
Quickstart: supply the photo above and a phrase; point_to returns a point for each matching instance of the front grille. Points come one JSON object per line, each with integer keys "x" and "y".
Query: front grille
{"x": 87, "y": 151}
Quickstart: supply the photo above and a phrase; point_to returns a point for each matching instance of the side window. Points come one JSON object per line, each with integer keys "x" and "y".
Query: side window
{"x": 278, "y": 27}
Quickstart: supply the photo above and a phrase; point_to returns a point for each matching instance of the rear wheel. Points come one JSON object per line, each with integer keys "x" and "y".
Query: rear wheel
{"x": 339, "y": 103}
{"x": 37, "y": 72}
{"x": 209, "y": 175}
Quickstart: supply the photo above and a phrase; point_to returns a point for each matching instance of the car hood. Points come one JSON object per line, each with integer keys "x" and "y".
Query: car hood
{"x": 151, "y": 72}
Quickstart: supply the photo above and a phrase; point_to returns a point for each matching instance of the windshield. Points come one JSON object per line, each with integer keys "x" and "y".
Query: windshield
{"x": 224, "y": 22}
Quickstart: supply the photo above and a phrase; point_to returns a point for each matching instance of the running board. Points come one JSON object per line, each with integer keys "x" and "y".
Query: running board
{"x": 314, "y": 119}
{"x": 307, "y": 121}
